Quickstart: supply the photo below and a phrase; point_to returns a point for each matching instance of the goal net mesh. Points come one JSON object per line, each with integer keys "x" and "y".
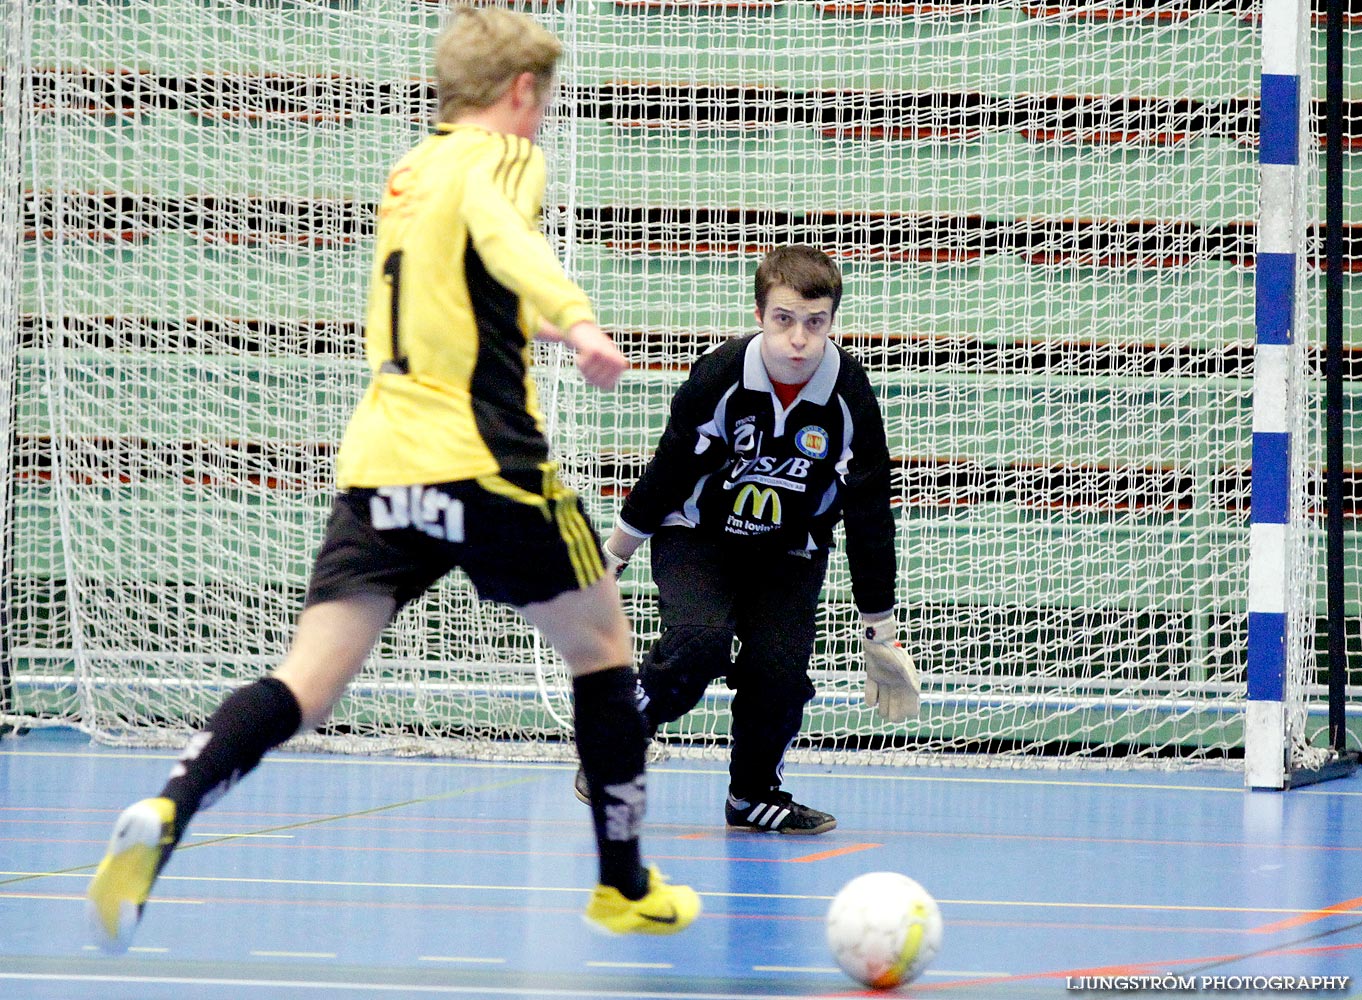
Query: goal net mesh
{"x": 1045, "y": 215}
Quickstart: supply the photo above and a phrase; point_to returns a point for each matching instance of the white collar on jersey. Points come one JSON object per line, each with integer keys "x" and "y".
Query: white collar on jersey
{"x": 817, "y": 390}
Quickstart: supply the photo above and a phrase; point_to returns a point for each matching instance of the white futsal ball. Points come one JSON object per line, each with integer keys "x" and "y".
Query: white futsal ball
{"x": 884, "y": 929}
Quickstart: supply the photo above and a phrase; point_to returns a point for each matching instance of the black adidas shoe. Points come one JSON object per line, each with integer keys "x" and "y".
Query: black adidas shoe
{"x": 580, "y": 788}
{"x": 776, "y": 811}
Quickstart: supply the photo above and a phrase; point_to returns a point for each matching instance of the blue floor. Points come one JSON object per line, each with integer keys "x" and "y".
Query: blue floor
{"x": 383, "y": 877}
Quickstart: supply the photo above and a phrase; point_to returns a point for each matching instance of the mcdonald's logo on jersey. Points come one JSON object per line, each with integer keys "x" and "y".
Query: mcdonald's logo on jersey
{"x": 761, "y": 498}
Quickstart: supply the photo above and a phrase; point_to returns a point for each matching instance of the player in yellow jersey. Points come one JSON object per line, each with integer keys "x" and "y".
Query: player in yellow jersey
{"x": 444, "y": 464}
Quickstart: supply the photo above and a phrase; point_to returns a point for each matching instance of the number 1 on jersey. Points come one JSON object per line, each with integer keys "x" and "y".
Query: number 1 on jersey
{"x": 392, "y": 270}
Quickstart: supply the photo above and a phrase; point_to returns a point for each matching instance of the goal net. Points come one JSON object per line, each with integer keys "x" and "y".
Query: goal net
{"x": 1046, "y": 217}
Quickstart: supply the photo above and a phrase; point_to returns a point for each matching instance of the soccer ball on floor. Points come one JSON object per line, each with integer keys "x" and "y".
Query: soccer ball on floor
{"x": 884, "y": 929}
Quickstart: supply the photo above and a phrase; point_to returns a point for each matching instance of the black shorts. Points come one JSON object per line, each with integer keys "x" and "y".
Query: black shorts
{"x": 521, "y": 539}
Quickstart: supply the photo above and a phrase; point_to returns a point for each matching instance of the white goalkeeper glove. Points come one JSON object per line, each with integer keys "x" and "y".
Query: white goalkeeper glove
{"x": 891, "y": 681}
{"x": 614, "y": 565}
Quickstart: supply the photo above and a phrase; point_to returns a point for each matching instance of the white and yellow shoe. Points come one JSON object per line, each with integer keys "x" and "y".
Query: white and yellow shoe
{"x": 123, "y": 880}
{"x": 665, "y": 909}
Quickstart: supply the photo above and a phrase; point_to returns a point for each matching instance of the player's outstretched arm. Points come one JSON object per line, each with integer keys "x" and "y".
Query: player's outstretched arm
{"x": 598, "y": 359}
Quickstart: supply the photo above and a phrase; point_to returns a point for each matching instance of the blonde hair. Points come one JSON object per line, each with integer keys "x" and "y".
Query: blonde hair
{"x": 483, "y": 50}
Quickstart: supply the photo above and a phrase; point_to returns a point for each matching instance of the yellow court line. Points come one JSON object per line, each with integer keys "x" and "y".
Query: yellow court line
{"x": 1044, "y": 904}
{"x": 958, "y": 779}
{"x": 304, "y": 757}
{"x": 712, "y": 834}
{"x": 244, "y": 836}
{"x": 316, "y": 821}
{"x": 808, "y": 897}
{"x": 325, "y": 883}
{"x": 951, "y": 777}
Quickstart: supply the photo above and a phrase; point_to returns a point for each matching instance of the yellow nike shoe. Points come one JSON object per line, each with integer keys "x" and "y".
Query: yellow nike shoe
{"x": 123, "y": 880}
{"x": 665, "y": 909}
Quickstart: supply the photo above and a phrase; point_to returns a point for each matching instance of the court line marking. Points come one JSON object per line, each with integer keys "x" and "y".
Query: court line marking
{"x": 658, "y": 830}
{"x": 293, "y": 954}
{"x": 971, "y": 973}
{"x": 646, "y": 995}
{"x": 832, "y": 970}
{"x": 461, "y": 958}
{"x": 315, "y": 821}
{"x": 511, "y": 991}
{"x": 578, "y": 890}
{"x": 1055, "y": 838}
{"x": 243, "y": 836}
{"x": 498, "y": 852}
{"x": 65, "y": 897}
{"x": 1324, "y": 912}
{"x": 1200, "y": 964}
{"x": 1028, "y": 923}
{"x": 835, "y": 852}
{"x": 950, "y": 777}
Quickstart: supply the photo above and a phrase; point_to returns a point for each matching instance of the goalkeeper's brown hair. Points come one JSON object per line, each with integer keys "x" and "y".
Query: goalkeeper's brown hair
{"x": 483, "y": 50}
{"x": 806, "y": 269}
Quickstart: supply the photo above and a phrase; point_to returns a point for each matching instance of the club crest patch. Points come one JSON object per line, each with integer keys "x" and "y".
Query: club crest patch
{"x": 812, "y": 441}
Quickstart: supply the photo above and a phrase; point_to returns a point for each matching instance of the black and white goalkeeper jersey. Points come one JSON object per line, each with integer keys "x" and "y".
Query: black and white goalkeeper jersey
{"x": 733, "y": 462}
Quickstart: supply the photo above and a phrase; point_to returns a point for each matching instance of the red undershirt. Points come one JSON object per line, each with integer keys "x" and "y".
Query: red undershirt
{"x": 786, "y": 392}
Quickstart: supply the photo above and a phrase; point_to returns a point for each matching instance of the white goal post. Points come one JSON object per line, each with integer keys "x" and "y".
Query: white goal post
{"x": 1047, "y": 215}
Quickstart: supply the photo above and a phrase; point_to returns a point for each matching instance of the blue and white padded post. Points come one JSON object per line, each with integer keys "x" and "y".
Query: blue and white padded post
{"x": 1265, "y": 737}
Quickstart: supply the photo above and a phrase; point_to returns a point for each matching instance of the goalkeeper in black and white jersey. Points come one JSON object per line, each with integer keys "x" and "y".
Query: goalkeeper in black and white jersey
{"x": 773, "y": 439}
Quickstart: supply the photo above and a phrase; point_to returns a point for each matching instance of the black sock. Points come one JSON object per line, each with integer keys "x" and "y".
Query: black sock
{"x": 611, "y": 742}
{"x": 251, "y": 721}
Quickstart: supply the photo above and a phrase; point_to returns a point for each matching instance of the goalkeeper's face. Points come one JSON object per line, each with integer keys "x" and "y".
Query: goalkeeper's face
{"x": 794, "y": 334}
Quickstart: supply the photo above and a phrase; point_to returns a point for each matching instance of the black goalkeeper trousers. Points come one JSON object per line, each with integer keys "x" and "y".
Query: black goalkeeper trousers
{"x": 711, "y": 593}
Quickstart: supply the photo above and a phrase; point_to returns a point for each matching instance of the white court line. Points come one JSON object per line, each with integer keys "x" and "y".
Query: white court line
{"x": 826, "y": 970}
{"x": 293, "y": 954}
{"x": 336, "y": 987}
{"x": 577, "y": 890}
{"x": 64, "y": 898}
{"x": 460, "y": 958}
{"x": 966, "y": 974}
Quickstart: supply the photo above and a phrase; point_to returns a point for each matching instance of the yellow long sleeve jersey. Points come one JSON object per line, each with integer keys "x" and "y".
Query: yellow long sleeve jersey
{"x": 461, "y": 276}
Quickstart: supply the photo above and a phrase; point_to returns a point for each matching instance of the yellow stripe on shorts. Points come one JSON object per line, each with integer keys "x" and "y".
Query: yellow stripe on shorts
{"x": 576, "y": 533}
{"x": 505, "y": 488}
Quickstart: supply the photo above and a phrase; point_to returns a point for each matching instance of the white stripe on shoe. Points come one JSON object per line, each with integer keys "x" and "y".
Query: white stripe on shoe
{"x": 766, "y": 814}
